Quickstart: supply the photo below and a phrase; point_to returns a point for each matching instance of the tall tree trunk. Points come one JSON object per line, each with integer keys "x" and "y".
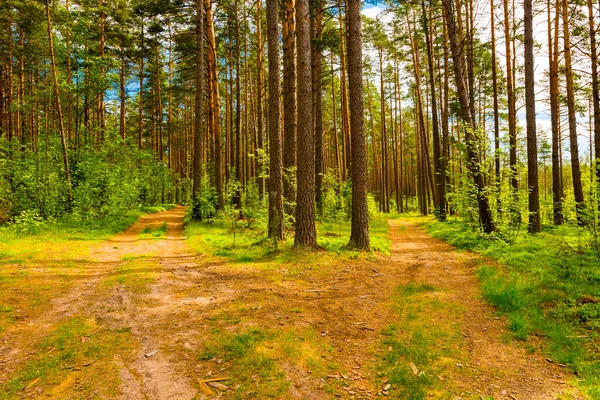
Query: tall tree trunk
{"x": 385, "y": 192}
{"x": 512, "y": 113}
{"x": 306, "y": 234}
{"x": 259, "y": 89}
{"x": 557, "y": 189}
{"x": 532, "y": 164}
{"x": 216, "y": 107}
{"x": 485, "y": 214}
{"x": 101, "y": 106}
{"x": 344, "y": 98}
{"x": 575, "y": 169}
{"x": 276, "y": 219}
{"x": 122, "y": 110}
{"x": 595, "y": 88}
{"x": 437, "y": 157}
{"x": 141, "y": 89}
{"x": 61, "y": 125}
{"x": 159, "y": 108}
{"x": 496, "y": 107}
{"x": 359, "y": 233}
{"x": 9, "y": 79}
{"x": 199, "y": 112}
{"x": 338, "y": 165}
{"x": 445, "y": 110}
{"x": 237, "y": 198}
{"x": 317, "y": 68}
{"x": 289, "y": 104}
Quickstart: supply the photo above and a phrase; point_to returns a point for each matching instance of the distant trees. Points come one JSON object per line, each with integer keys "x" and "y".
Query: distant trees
{"x": 184, "y": 91}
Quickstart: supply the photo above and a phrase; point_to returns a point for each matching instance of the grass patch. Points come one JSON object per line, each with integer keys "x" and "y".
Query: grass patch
{"x": 157, "y": 233}
{"x": 63, "y": 358}
{"x": 546, "y": 284}
{"x": 246, "y": 241}
{"x": 422, "y": 347}
{"x": 258, "y": 358}
{"x": 67, "y": 238}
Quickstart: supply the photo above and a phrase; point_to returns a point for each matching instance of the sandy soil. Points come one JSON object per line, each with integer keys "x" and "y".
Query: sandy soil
{"x": 348, "y": 304}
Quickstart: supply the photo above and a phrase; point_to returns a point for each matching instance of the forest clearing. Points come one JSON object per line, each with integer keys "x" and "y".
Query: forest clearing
{"x": 299, "y": 199}
{"x": 141, "y": 316}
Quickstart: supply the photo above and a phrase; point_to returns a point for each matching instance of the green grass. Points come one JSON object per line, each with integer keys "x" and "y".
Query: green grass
{"x": 421, "y": 347}
{"x": 546, "y": 284}
{"x": 149, "y": 233}
{"x": 71, "y": 228}
{"x": 245, "y": 241}
{"x": 256, "y": 359}
{"x": 64, "y": 356}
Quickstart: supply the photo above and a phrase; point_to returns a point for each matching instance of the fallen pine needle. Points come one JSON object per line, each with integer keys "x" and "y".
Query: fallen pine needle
{"x": 90, "y": 335}
{"x": 33, "y": 382}
{"x": 226, "y": 378}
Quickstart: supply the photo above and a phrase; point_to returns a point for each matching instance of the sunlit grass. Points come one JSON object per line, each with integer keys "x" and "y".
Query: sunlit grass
{"x": 547, "y": 284}
{"x": 418, "y": 353}
{"x": 257, "y": 358}
{"x": 242, "y": 241}
{"x": 78, "y": 350}
{"x": 156, "y": 233}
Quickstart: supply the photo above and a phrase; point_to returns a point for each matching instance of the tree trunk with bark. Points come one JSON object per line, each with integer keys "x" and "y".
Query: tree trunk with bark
{"x": 359, "y": 233}
{"x": 289, "y": 105}
{"x": 532, "y": 164}
{"x": 485, "y": 214}
{"x": 198, "y": 111}
{"x": 575, "y": 169}
{"x": 306, "y": 234}
{"x": 276, "y": 220}
{"x": 61, "y": 124}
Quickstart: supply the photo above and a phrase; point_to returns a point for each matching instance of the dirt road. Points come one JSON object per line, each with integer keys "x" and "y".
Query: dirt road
{"x": 311, "y": 329}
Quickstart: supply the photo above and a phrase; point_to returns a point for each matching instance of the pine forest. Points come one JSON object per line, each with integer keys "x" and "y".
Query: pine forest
{"x": 294, "y": 199}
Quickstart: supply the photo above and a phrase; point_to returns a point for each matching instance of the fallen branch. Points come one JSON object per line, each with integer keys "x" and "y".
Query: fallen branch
{"x": 96, "y": 331}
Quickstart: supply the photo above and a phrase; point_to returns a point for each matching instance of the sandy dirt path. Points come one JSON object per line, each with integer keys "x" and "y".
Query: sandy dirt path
{"x": 346, "y": 302}
{"x": 497, "y": 367}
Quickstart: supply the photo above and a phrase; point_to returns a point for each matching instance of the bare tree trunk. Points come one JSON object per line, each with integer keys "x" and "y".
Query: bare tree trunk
{"x": 532, "y": 164}
{"x": 385, "y": 192}
{"x": 276, "y": 219}
{"x": 595, "y": 88}
{"x": 317, "y": 68}
{"x": 122, "y": 111}
{"x": 141, "y": 90}
{"x": 344, "y": 98}
{"x": 306, "y": 234}
{"x": 359, "y": 234}
{"x": 496, "y": 106}
{"x": 437, "y": 163}
{"x": 237, "y": 198}
{"x": 259, "y": 89}
{"x": 198, "y": 111}
{"x": 557, "y": 189}
{"x": 512, "y": 118}
{"x": 575, "y": 169}
{"x": 63, "y": 140}
{"x": 101, "y": 106}
{"x": 289, "y": 104}
{"x": 485, "y": 214}
{"x": 215, "y": 104}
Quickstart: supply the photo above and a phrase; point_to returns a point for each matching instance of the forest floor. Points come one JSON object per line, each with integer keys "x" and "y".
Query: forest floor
{"x": 144, "y": 316}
